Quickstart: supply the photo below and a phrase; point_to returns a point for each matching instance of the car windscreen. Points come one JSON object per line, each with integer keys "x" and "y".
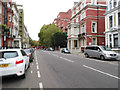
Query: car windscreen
{"x": 8, "y": 54}
{"x": 106, "y": 48}
{"x": 27, "y": 51}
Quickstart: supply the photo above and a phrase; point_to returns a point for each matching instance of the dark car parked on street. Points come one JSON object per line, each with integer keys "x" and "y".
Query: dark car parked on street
{"x": 30, "y": 54}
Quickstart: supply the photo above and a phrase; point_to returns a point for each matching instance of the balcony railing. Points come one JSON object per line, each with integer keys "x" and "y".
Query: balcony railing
{"x": 74, "y": 24}
{"x": 81, "y": 35}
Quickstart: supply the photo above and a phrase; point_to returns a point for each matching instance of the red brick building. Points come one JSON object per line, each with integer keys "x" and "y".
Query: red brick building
{"x": 87, "y": 25}
{"x": 63, "y": 20}
{"x": 6, "y": 19}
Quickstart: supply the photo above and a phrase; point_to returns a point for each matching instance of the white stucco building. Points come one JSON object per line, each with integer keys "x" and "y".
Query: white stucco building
{"x": 17, "y": 38}
{"x": 112, "y": 24}
{"x": 26, "y": 38}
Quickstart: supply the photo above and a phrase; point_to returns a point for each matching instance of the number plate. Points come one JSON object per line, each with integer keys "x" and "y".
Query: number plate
{"x": 4, "y": 65}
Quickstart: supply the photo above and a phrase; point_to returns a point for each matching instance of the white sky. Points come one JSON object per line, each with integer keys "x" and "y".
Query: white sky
{"x": 40, "y": 12}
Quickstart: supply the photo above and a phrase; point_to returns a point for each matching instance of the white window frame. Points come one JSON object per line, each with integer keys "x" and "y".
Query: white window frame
{"x": 93, "y": 2}
{"x": 10, "y": 17}
{"x": 95, "y": 42}
{"x": 95, "y": 27}
{"x": 77, "y": 19}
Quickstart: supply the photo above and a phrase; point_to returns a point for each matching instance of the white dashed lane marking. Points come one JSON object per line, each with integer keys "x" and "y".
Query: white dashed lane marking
{"x": 38, "y": 74}
{"x": 101, "y": 72}
{"x": 41, "y": 86}
{"x": 37, "y": 67}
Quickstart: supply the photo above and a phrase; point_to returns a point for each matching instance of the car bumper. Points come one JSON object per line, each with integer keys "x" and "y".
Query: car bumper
{"x": 17, "y": 70}
{"x": 111, "y": 57}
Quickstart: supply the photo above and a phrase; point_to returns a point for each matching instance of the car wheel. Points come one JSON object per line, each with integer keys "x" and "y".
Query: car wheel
{"x": 102, "y": 57}
{"x": 86, "y": 55}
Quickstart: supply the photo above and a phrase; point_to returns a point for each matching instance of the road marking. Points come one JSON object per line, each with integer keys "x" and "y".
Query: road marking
{"x": 55, "y": 55}
{"x": 36, "y": 56}
{"x": 37, "y": 63}
{"x": 37, "y": 67}
{"x": 91, "y": 59}
{"x": 101, "y": 72}
{"x": 41, "y": 86}
{"x": 67, "y": 59}
{"x": 31, "y": 71}
{"x": 38, "y": 74}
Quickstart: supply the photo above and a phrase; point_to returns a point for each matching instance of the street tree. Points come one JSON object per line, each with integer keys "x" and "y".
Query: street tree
{"x": 59, "y": 39}
{"x": 46, "y": 32}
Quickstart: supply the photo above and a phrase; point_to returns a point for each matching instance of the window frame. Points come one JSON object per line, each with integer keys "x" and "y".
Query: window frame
{"x": 95, "y": 26}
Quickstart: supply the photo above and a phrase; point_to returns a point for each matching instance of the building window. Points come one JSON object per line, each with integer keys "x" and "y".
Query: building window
{"x": 114, "y": 3}
{"x": 110, "y": 21}
{"x": 118, "y": 2}
{"x": 10, "y": 31}
{"x": 9, "y": 43}
{"x": 93, "y": 1}
{"x": 83, "y": 15}
{"x": 114, "y": 19}
{"x": 94, "y": 41}
{"x": 83, "y": 42}
{"x": 9, "y": 17}
{"x": 119, "y": 18}
{"x": 110, "y": 39}
{"x": 94, "y": 27}
{"x": 110, "y": 4}
{"x": 115, "y": 37}
{"x": 76, "y": 19}
{"x": 75, "y": 43}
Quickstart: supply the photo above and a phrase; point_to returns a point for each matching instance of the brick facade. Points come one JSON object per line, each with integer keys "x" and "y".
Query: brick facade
{"x": 87, "y": 25}
{"x": 7, "y": 15}
{"x": 63, "y": 20}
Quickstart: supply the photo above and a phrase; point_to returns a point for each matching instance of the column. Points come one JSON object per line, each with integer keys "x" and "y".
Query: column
{"x": 118, "y": 38}
{"x": 68, "y": 44}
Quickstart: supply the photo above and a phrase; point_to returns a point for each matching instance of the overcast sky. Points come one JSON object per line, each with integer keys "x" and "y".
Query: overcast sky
{"x": 40, "y": 12}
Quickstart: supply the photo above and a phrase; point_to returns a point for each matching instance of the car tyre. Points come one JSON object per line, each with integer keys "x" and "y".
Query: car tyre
{"x": 86, "y": 55}
{"x": 102, "y": 57}
{"x": 29, "y": 65}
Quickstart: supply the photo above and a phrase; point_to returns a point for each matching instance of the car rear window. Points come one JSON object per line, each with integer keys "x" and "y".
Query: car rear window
{"x": 8, "y": 54}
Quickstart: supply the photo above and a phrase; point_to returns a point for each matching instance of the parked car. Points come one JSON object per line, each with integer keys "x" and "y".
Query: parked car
{"x": 51, "y": 49}
{"x": 65, "y": 50}
{"x": 101, "y": 52}
{"x": 30, "y": 54}
{"x": 32, "y": 50}
{"x": 13, "y": 62}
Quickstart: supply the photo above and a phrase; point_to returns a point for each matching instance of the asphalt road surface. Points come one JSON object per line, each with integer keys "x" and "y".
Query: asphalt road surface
{"x": 57, "y": 70}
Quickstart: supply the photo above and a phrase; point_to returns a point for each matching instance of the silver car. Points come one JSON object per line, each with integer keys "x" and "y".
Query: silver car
{"x": 101, "y": 52}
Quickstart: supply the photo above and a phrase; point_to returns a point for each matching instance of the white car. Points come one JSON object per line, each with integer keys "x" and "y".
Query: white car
{"x": 13, "y": 62}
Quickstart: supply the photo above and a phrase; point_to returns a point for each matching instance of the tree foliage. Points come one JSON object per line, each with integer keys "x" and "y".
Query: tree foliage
{"x": 59, "y": 39}
{"x": 46, "y": 32}
{"x": 33, "y": 42}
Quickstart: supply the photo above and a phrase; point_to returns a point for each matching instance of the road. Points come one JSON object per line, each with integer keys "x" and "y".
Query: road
{"x": 58, "y": 70}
